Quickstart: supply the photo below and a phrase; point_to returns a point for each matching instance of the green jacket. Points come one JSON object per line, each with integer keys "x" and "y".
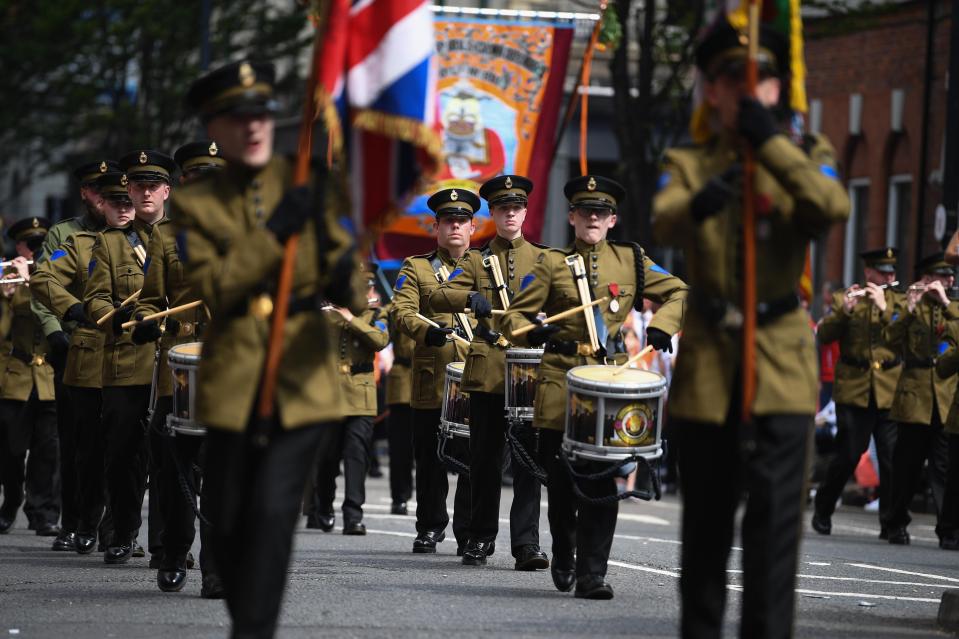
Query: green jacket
{"x": 26, "y": 366}
{"x": 866, "y": 359}
{"x": 485, "y": 368}
{"x": 947, "y": 366}
{"x": 232, "y": 262}
{"x": 399, "y": 379}
{"x": 358, "y": 341}
{"x": 798, "y": 198}
{"x": 612, "y": 271}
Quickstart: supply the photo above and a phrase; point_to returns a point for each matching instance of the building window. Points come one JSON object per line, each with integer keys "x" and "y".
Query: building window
{"x": 898, "y": 220}
{"x": 855, "y": 229}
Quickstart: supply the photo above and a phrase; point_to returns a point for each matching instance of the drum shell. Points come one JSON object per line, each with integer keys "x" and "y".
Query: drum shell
{"x": 184, "y": 361}
{"x": 454, "y": 412}
{"x": 520, "y": 394}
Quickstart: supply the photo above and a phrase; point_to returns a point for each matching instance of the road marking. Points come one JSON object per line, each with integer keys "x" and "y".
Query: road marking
{"x": 871, "y": 532}
{"x": 657, "y": 540}
{"x": 643, "y": 519}
{"x": 907, "y": 572}
{"x": 864, "y": 581}
{"x": 394, "y": 533}
{"x": 655, "y": 571}
{"x": 856, "y": 595}
{"x": 818, "y": 563}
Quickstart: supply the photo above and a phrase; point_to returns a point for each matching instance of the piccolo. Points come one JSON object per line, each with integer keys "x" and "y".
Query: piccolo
{"x": 13, "y": 280}
{"x": 863, "y": 291}
{"x": 6, "y": 263}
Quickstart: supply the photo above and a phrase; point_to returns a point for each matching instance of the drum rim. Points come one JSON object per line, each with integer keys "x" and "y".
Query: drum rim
{"x": 524, "y": 354}
{"x": 176, "y": 355}
{"x": 621, "y": 387}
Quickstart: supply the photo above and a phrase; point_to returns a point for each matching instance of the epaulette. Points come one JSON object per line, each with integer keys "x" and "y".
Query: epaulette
{"x": 64, "y": 222}
{"x": 425, "y": 256}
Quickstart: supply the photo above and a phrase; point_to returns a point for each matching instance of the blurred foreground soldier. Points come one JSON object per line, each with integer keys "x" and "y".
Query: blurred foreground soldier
{"x": 699, "y": 208}
{"x": 948, "y": 525}
{"x": 472, "y": 285}
{"x": 59, "y": 334}
{"x": 454, "y": 209}
{"x": 164, "y": 287}
{"x": 923, "y": 397}
{"x": 230, "y": 230}
{"x": 583, "y": 529}
{"x": 866, "y": 379}
{"x": 28, "y": 417}
{"x": 58, "y": 285}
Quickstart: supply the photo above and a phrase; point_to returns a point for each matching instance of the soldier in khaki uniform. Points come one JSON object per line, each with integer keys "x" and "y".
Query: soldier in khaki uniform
{"x": 623, "y": 273}
{"x": 116, "y": 273}
{"x": 922, "y": 396}
{"x": 58, "y": 338}
{"x": 399, "y": 423}
{"x": 948, "y": 366}
{"x": 471, "y": 285}
{"x": 358, "y": 339}
{"x": 454, "y": 209}
{"x": 866, "y": 378}
{"x": 698, "y": 208}
{"x": 28, "y": 419}
{"x": 58, "y": 285}
{"x": 230, "y": 231}
{"x": 164, "y": 287}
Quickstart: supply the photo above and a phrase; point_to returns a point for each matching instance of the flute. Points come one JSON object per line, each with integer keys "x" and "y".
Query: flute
{"x": 863, "y": 291}
{"x": 6, "y": 263}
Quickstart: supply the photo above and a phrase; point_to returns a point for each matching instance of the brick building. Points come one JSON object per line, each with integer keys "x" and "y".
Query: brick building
{"x": 869, "y": 85}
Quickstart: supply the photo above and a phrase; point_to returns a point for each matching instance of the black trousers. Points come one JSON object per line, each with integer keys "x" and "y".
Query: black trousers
{"x": 856, "y": 425}
{"x": 915, "y": 444}
{"x": 432, "y": 483}
{"x": 355, "y": 449}
{"x": 91, "y": 487}
{"x": 399, "y": 433}
{"x": 155, "y": 482}
{"x": 949, "y": 517}
{"x": 126, "y": 455}
{"x": 66, "y": 434}
{"x": 582, "y": 531}
{"x": 487, "y": 446}
{"x": 718, "y": 465}
{"x": 254, "y": 494}
{"x": 30, "y": 426}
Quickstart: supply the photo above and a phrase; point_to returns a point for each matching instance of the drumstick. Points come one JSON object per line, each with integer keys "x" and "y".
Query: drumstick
{"x": 495, "y": 311}
{"x": 435, "y": 325}
{"x": 169, "y": 311}
{"x": 563, "y": 315}
{"x": 632, "y": 360}
{"x": 113, "y": 310}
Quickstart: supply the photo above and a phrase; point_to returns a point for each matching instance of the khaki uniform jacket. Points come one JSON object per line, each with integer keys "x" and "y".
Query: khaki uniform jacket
{"x": 115, "y": 274}
{"x": 399, "y": 380}
{"x": 485, "y": 368}
{"x": 56, "y": 236}
{"x": 165, "y": 287}
{"x": 919, "y": 337}
{"x": 947, "y": 366}
{"x": 798, "y": 197}
{"x": 26, "y": 367}
{"x": 358, "y": 341}
{"x": 867, "y": 363}
{"x": 231, "y": 262}
{"x": 58, "y": 284}
{"x": 411, "y": 295}
{"x": 549, "y": 287}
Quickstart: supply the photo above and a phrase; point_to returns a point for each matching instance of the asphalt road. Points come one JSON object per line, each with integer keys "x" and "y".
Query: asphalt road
{"x": 850, "y": 585}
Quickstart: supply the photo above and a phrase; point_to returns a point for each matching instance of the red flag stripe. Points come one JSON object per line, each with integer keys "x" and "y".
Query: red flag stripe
{"x": 369, "y": 25}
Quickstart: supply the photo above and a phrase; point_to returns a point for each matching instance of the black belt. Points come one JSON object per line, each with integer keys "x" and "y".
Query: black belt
{"x": 727, "y": 315}
{"x": 403, "y": 361}
{"x": 366, "y": 367}
{"x": 862, "y": 363}
{"x": 26, "y": 358}
{"x": 925, "y": 362}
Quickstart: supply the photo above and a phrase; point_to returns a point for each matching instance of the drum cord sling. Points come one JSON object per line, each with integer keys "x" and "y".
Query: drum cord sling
{"x": 645, "y": 495}
{"x": 451, "y": 462}
{"x": 523, "y": 456}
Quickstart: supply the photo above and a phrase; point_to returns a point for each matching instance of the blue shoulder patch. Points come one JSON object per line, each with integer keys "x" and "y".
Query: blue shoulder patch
{"x": 943, "y": 347}
{"x": 828, "y": 171}
{"x": 400, "y": 281}
{"x": 90, "y": 267}
{"x": 146, "y": 266}
{"x": 656, "y": 268}
{"x": 526, "y": 281}
{"x": 347, "y": 223}
{"x": 663, "y": 181}
{"x": 895, "y": 316}
{"x": 456, "y": 271}
{"x": 380, "y": 324}
{"x": 181, "y": 246}
{"x": 57, "y": 254}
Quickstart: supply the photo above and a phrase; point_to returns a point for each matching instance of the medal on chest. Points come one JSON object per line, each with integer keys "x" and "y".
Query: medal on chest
{"x": 613, "y": 294}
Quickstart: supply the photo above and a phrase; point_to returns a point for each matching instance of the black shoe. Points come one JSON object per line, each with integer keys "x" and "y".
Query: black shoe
{"x": 476, "y": 552}
{"x": 822, "y": 524}
{"x": 949, "y": 542}
{"x": 426, "y": 542}
{"x": 85, "y": 543}
{"x": 564, "y": 580}
{"x": 593, "y": 587}
{"x": 118, "y": 554}
{"x": 530, "y": 557}
{"x": 48, "y": 530}
{"x": 6, "y": 523}
{"x": 354, "y": 528}
{"x": 320, "y": 522}
{"x": 212, "y": 587}
{"x": 899, "y": 537}
{"x": 884, "y": 533}
{"x": 399, "y": 508}
{"x": 138, "y": 550}
{"x": 172, "y": 578}
{"x": 65, "y": 542}
{"x": 190, "y": 561}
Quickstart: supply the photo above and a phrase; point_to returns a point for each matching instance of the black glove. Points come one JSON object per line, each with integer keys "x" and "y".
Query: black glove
{"x": 146, "y": 332}
{"x": 291, "y": 213}
{"x": 659, "y": 340}
{"x": 437, "y": 336}
{"x": 756, "y": 122}
{"x": 122, "y": 315}
{"x": 76, "y": 314}
{"x": 712, "y": 197}
{"x": 59, "y": 344}
{"x": 172, "y": 326}
{"x": 480, "y": 305}
{"x": 541, "y": 334}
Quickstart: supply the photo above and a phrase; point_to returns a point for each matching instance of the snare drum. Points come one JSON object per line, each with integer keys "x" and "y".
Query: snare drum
{"x": 455, "y": 413}
{"x": 184, "y": 360}
{"x": 613, "y": 417}
{"x": 522, "y": 366}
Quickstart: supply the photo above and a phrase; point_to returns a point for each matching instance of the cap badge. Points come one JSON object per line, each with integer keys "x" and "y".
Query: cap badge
{"x": 103, "y": 167}
{"x": 591, "y": 185}
{"x": 889, "y": 253}
{"x": 123, "y": 180}
{"x": 247, "y": 75}
{"x": 213, "y": 150}
{"x": 744, "y": 39}
{"x": 454, "y": 196}
{"x": 509, "y": 182}
{"x": 143, "y": 157}
{"x": 36, "y": 222}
